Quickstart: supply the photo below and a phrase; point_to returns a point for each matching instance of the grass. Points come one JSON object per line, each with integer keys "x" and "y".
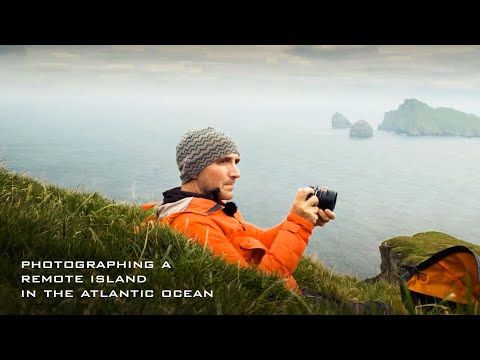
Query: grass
{"x": 414, "y": 249}
{"x": 41, "y": 222}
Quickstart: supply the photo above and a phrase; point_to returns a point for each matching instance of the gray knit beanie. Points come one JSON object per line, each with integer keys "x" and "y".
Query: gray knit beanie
{"x": 199, "y": 148}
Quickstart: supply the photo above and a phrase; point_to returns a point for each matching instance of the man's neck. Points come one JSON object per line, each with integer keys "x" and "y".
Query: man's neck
{"x": 191, "y": 186}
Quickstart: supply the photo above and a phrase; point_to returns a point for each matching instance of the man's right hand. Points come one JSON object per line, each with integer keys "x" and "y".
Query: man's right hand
{"x": 305, "y": 208}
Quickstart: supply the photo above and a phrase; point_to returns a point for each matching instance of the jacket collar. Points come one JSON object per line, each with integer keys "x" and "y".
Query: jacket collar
{"x": 175, "y": 194}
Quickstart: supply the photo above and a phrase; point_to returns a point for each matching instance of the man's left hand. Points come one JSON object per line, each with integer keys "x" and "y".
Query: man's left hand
{"x": 324, "y": 216}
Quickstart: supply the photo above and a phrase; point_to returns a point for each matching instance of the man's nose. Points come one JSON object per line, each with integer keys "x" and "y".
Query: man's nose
{"x": 234, "y": 172}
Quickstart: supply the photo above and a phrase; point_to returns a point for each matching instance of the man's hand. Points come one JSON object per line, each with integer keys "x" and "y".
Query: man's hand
{"x": 324, "y": 216}
{"x": 306, "y": 208}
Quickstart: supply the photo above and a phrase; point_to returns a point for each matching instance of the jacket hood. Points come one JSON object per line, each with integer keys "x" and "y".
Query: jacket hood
{"x": 176, "y": 194}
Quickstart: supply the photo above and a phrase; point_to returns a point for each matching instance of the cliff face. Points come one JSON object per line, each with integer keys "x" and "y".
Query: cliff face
{"x": 390, "y": 267}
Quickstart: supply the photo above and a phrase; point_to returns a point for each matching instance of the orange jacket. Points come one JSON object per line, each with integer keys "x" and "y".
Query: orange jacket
{"x": 275, "y": 250}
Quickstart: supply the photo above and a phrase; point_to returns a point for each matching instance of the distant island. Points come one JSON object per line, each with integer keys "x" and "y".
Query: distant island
{"x": 340, "y": 122}
{"x": 415, "y": 118}
{"x": 361, "y": 129}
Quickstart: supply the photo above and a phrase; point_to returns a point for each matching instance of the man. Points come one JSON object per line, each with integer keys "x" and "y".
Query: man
{"x": 208, "y": 163}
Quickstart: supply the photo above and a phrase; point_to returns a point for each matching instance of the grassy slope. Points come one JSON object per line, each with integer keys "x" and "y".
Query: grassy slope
{"x": 415, "y": 249}
{"x": 43, "y": 222}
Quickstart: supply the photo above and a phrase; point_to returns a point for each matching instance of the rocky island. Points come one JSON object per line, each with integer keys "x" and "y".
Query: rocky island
{"x": 415, "y": 118}
{"x": 340, "y": 122}
{"x": 361, "y": 129}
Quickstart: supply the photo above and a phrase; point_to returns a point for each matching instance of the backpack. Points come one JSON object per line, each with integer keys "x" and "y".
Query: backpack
{"x": 451, "y": 277}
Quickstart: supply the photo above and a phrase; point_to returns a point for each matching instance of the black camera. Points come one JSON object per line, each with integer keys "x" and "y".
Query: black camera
{"x": 326, "y": 198}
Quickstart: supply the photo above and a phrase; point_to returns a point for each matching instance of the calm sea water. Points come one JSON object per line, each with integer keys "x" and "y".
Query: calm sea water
{"x": 388, "y": 185}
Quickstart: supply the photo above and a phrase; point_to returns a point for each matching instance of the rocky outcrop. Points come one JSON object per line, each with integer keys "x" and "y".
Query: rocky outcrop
{"x": 361, "y": 129}
{"x": 340, "y": 122}
{"x": 390, "y": 266}
{"x": 415, "y": 118}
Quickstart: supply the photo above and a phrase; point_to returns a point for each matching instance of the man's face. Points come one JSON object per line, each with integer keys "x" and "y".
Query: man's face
{"x": 220, "y": 174}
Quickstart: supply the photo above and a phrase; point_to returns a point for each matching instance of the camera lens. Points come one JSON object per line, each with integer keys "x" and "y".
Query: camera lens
{"x": 326, "y": 199}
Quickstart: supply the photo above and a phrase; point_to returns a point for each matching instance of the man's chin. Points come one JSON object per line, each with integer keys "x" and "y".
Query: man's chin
{"x": 226, "y": 195}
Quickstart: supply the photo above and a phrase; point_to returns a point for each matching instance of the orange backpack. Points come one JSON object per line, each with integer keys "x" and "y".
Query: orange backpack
{"x": 451, "y": 276}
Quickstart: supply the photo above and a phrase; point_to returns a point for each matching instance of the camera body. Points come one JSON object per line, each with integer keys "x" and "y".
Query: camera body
{"x": 326, "y": 198}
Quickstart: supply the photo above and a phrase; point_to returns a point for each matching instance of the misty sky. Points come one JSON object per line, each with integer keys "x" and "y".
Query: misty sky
{"x": 368, "y": 78}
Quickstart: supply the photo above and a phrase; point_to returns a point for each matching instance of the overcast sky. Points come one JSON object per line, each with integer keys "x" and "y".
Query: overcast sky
{"x": 379, "y": 77}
